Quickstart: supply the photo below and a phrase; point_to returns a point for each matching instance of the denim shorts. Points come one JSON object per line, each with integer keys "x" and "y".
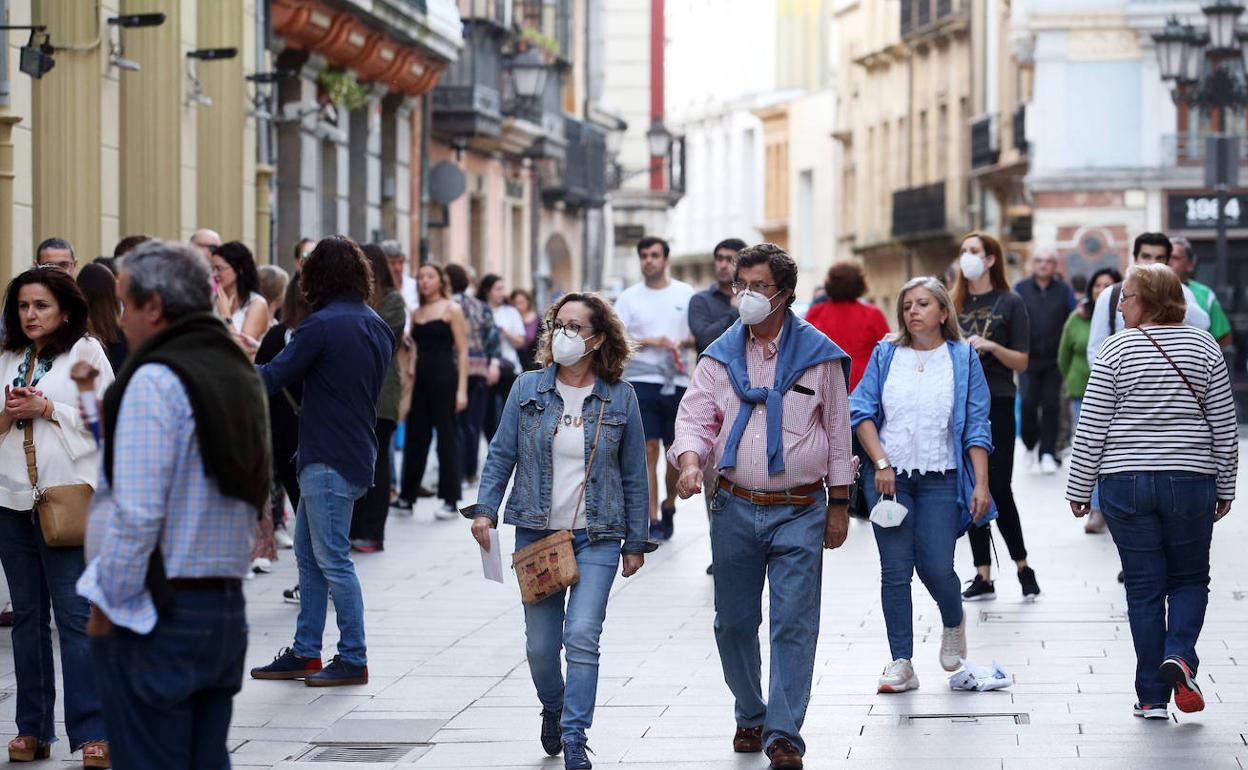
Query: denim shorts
{"x": 658, "y": 412}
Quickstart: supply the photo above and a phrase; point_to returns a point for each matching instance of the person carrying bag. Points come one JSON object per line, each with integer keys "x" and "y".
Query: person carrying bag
{"x": 579, "y": 504}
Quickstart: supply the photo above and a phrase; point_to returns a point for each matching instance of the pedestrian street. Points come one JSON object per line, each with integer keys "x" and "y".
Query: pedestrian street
{"x": 449, "y": 686}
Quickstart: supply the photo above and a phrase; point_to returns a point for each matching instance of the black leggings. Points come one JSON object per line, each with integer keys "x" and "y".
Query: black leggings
{"x": 433, "y": 406}
{"x": 1000, "y": 472}
{"x": 368, "y": 518}
{"x": 286, "y": 474}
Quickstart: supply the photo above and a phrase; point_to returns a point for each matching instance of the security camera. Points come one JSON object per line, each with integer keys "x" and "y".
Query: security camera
{"x": 132, "y": 20}
{"x": 36, "y": 60}
{"x": 271, "y": 77}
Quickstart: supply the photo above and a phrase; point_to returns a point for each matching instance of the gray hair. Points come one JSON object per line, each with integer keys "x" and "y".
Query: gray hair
{"x": 1189, "y": 253}
{"x": 176, "y": 272}
{"x": 391, "y": 248}
{"x": 950, "y": 329}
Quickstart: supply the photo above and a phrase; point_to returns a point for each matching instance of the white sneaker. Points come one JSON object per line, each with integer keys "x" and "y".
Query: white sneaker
{"x": 953, "y": 646}
{"x": 1029, "y": 460}
{"x": 898, "y": 676}
{"x": 261, "y": 565}
{"x": 446, "y": 512}
{"x": 283, "y": 538}
{"x": 1048, "y": 465}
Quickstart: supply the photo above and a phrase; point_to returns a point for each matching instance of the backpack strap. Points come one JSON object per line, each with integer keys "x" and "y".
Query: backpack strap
{"x": 1115, "y": 294}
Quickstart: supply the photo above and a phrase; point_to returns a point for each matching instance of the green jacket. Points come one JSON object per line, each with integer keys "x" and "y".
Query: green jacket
{"x": 1072, "y": 354}
{"x": 394, "y": 313}
{"x": 1219, "y": 324}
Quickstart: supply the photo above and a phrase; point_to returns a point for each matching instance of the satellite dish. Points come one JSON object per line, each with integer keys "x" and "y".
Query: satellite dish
{"x": 446, "y": 182}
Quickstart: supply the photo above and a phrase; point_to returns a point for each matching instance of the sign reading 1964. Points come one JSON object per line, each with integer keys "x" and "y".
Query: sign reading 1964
{"x": 1198, "y": 212}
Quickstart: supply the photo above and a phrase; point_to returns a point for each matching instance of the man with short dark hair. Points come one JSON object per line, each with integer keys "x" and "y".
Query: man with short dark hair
{"x": 58, "y": 253}
{"x": 1107, "y": 315}
{"x": 1183, "y": 262}
{"x": 1049, "y": 301}
{"x": 174, "y": 518}
{"x": 769, "y": 407}
{"x": 714, "y": 309}
{"x": 656, "y": 314}
{"x": 341, "y": 353}
{"x": 129, "y": 244}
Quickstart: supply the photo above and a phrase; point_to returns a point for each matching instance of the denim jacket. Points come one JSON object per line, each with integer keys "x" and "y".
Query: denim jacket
{"x": 617, "y": 496}
{"x": 970, "y": 412}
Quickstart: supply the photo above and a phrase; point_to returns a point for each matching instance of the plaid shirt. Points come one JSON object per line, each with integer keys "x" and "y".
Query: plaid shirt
{"x": 483, "y": 340}
{"x": 159, "y": 493}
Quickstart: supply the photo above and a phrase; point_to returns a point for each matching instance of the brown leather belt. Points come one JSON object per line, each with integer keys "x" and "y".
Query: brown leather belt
{"x": 205, "y": 584}
{"x": 803, "y": 495}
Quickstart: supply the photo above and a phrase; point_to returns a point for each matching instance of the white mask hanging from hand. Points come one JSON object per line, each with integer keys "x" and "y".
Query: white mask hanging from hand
{"x": 888, "y": 513}
{"x": 972, "y": 265}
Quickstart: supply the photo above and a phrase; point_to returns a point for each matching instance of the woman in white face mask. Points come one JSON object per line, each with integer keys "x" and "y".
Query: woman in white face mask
{"x": 572, "y": 434}
{"x": 994, "y": 320}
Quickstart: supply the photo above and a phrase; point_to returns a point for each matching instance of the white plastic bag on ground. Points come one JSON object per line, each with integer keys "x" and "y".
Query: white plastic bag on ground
{"x": 980, "y": 678}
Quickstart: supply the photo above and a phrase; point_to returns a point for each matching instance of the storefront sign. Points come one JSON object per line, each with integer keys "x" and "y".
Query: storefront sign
{"x": 1200, "y": 212}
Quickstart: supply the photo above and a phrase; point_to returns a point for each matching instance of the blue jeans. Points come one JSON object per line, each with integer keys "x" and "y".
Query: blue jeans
{"x": 576, "y": 629}
{"x": 323, "y": 553}
{"x": 923, "y": 542}
{"x": 1162, "y": 523}
{"x": 41, "y": 584}
{"x": 1076, "y": 408}
{"x": 171, "y": 692}
{"x": 784, "y": 545}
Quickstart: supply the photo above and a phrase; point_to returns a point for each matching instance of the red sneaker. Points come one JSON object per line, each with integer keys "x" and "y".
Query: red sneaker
{"x": 1187, "y": 695}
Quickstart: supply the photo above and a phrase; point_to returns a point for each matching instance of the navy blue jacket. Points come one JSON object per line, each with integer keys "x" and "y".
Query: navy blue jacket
{"x": 340, "y": 353}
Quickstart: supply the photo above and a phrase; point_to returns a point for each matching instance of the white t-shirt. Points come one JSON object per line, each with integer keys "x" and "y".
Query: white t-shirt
{"x": 508, "y": 319}
{"x": 663, "y": 312}
{"x": 411, "y": 298}
{"x": 240, "y": 315}
{"x": 568, "y": 459}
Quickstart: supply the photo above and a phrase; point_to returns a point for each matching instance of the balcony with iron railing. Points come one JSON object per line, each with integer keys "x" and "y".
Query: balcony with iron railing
{"x": 985, "y": 148}
{"x": 920, "y": 18}
{"x": 1188, "y": 149}
{"x": 919, "y": 211}
{"x": 467, "y": 101}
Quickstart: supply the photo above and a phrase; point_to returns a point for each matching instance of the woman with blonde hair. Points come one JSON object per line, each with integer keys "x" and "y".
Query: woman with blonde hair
{"x": 1158, "y": 431}
{"x": 921, "y": 413}
{"x": 572, "y": 435}
{"x": 994, "y": 322}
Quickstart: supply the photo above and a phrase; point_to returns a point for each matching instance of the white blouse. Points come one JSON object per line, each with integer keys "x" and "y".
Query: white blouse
{"x": 918, "y": 408}
{"x": 65, "y": 450}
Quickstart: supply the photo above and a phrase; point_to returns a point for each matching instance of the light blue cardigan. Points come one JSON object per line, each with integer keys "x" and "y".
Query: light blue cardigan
{"x": 970, "y": 412}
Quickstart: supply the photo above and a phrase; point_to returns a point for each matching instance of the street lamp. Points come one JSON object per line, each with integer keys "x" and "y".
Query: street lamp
{"x": 1207, "y": 69}
{"x": 659, "y": 139}
{"x": 528, "y": 73}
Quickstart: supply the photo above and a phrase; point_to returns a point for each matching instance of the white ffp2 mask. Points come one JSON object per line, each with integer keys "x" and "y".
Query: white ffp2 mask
{"x": 753, "y": 307}
{"x": 566, "y": 349}
{"x": 888, "y": 513}
{"x": 972, "y": 265}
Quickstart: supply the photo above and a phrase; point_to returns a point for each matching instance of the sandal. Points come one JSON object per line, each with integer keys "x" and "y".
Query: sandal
{"x": 95, "y": 754}
{"x": 27, "y": 748}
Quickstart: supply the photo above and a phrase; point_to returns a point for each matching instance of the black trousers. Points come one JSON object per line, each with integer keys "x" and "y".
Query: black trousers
{"x": 368, "y": 518}
{"x": 471, "y": 422}
{"x": 433, "y": 406}
{"x": 1041, "y": 389}
{"x": 498, "y": 398}
{"x": 286, "y": 477}
{"x": 1000, "y": 472}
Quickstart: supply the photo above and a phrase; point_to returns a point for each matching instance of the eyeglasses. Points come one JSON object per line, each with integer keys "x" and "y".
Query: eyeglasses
{"x": 757, "y": 286}
{"x": 1124, "y": 296}
{"x": 218, "y": 269}
{"x": 572, "y": 328}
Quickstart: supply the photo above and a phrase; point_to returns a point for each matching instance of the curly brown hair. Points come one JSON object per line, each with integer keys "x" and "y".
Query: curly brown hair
{"x": 612, "y": 356}
{"x": 336, "y": 269}
{"x": 846, "y": 281}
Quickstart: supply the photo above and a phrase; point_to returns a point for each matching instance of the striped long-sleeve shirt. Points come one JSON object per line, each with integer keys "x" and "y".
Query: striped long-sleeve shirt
{"x": 1138, "y": 415}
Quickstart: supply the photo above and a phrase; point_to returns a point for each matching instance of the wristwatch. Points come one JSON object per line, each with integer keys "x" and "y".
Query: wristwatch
{"x": 881, "y": 464}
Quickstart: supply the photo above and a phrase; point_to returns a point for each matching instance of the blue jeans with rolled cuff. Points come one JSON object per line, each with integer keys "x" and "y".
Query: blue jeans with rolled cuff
{"x": 571, "y": 621}
{"x": 42, "y": 582}
{"x": 1162, "y": 523}
{"x": 924, "y": 542}
{"x": 782, "y": 544}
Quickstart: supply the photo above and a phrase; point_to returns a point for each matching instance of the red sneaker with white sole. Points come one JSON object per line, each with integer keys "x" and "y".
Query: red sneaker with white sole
{"x": 1187, "y": 695}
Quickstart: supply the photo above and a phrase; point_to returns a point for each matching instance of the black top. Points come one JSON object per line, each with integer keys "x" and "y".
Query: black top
{"x": 999, "y": 316}
{"x": 1047, "y": 311}
{"x": 710, "y": 314}
{"x": 117, "y": 352}
{"x": 433, "y": 337}
{"x": 283, "y": 420}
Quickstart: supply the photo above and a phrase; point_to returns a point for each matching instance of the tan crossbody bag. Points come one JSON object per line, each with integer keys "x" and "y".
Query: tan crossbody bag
{"x": 63, "y": 508}
{"x": 548, "y": 566}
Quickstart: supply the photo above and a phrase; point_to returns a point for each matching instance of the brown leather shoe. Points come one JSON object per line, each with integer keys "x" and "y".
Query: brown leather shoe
{"x": 783, "y": 755}
{"x": 748, "y": 740}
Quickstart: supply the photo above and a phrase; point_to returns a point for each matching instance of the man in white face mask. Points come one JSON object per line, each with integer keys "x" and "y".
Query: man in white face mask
{"x": 768, "y": 405}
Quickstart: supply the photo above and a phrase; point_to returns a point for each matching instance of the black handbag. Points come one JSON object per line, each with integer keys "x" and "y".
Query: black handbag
{"x": 858, "y": 497}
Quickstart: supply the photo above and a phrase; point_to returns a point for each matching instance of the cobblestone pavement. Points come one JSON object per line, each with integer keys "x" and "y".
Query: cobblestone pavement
{"x": 450, "y": 687}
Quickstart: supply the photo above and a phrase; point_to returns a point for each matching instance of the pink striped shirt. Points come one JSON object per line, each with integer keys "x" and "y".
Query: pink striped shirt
{"x": 816, "y": 427}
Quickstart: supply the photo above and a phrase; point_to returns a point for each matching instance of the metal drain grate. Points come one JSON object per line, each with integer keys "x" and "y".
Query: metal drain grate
{"x": 372, "y": 753}
{"x": 1013, "y": 718}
